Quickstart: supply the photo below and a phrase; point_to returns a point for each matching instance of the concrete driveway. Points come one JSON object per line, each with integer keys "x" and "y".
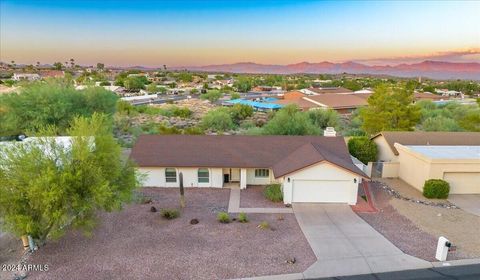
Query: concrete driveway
{"x": 344, "y": 244}
{"x": 467, "y": 202}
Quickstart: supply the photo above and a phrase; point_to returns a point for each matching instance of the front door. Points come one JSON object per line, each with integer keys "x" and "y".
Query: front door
{"x": 235, "y": 174}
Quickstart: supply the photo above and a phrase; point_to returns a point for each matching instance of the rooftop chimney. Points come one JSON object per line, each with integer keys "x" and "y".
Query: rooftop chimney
{"x": 329, "y": 132}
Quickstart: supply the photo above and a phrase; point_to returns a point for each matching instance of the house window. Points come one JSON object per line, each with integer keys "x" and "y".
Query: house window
{"x": 261, "y": 173}
{"x": 203, "y": 175}
{"x": 170, "y": 175}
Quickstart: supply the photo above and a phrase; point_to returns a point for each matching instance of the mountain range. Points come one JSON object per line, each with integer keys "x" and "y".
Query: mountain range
{"x": 428, "y": 68}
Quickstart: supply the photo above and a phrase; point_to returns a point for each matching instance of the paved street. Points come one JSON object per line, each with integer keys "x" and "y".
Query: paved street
{"x": 468, "y": 272}
{"x": 344, "y": 244}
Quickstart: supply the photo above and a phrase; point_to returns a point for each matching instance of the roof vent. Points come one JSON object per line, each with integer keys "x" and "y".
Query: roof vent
{"x": 329, "y": 132}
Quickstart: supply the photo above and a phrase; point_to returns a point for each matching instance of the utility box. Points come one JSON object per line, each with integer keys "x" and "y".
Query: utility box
{"x": 442, "y": 249}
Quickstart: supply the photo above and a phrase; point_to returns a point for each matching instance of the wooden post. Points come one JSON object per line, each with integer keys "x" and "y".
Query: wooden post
{"x": 182, "y": 191}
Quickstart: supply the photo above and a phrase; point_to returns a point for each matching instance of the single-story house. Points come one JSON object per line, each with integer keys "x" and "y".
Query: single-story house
{"x": 342, "y": 103}
{"x": 458, "y": 165}
{"x": 309, "y": 168}
{"x": 326, "y": 90}
{"x": 416, "y": 157}
{"x": 387, "y": 151}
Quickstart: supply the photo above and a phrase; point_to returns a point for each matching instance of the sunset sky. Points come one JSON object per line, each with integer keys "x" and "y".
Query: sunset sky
{"x": 181, "y": 33}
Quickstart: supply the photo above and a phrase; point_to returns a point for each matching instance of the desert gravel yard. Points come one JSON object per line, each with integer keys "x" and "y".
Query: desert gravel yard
{"x": 415, "y": 228}
{"x": 399, "y": 229}
{"x": 460, "y": 227}
{"x": 138, "y": 244}
{"x": 253, "y": 197}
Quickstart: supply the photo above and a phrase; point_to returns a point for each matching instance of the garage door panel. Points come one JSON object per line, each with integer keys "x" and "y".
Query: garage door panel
{"x": 322, "y": 191}
{"x": 463, "y": 182}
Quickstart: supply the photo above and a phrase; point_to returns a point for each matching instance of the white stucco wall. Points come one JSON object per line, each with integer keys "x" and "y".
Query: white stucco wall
{"x": 252, "y": 180}
{"x": 322, "y": 172}
{"x": 155, "y": 177}
{"x": 385, "y": 153}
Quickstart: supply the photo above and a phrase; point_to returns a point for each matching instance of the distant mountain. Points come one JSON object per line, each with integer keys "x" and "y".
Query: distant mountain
{"x": 430, "y": 69}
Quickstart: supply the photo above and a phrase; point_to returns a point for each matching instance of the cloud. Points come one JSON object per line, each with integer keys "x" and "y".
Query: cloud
{"x": 467, "y": 55}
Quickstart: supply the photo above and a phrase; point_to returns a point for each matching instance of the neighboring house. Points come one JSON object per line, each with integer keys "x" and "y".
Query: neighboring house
{"x": 52, "y": 74}
{"x": 25, "y": 77}
{"x": 309, "y": 168}
{"x": 385, "y": 141}
{"x": 416, "y": 157}
{"x": 428, "y": 96}
{"x": 326, "y": 90}
{"x": 458, "y": 165}
{"x": 342, "y": 103}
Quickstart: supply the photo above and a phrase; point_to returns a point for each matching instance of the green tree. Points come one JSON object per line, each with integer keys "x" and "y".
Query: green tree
{"x": 234, "y": 96}
{"x": 324, "y": 118}
{"x": 218, "y": 120}
{"x": 212, "y": 95}
{"x": 364, "y": 149}
{"x": 440, "y": 123}
{"x": 54, "y": 102}
{"x": 471, "y": 121}
{"x": 47, "y": 187}
{"x": 152, "y": 88}
{"x": 135, "y": 83}
{"x": 290, "y": 121}
{"x": 243, "y": 84}
{"x": 100, "y": 66}
{"x": 240, "y": 112}
{"x": 389, "y": 108}
{"x": 57, "y": 66}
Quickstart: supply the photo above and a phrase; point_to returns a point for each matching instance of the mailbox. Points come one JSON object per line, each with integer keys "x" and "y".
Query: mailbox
{"x": 442, "y": 249}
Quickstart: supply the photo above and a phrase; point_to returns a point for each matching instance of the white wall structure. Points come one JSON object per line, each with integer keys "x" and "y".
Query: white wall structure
{"x": 322, "y": 182}
{"x": 155, "y": 177}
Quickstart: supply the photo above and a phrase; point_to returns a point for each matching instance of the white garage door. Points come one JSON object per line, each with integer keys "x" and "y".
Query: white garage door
{"x": 463, "y": 182}
{"x": 322, "y": 191}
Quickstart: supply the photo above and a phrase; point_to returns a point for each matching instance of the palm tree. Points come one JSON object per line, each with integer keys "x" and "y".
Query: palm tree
{"x": 164, "y": 67}
{"x": 72, "y": 62}
{"x": 13, "y": 63}
{"x": 38, "y": 64}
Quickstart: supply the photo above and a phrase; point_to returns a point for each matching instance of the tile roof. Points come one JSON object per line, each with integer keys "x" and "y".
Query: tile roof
{"x": 429, "y": 138}
{"x": 330, "y": 90}
{"x": 337, "y": 101}
{"x": 284, "y": 154}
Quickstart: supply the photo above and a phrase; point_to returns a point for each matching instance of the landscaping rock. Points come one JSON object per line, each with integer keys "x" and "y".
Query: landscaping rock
{"x": 153, "y": 209}
{"x": 396, "y": 194}
{"x": 194, "y": 221}
{"x": 291, "y": 261}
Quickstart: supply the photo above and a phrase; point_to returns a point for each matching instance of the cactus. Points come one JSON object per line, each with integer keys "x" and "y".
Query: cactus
{"x": 182, "y": 191}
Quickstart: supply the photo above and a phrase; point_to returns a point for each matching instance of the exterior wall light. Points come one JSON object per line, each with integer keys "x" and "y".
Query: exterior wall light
{"x": 355, "y": 180}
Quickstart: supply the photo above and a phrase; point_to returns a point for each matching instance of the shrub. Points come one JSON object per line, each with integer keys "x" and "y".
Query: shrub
{"x": 218, "y": 120}
{"x": 169, "y": 213}
{"x": 436, "y": 188}
{"x": 264, "y": 225}
{"x": 242, "y": 218}
{"x": 223, "y": 217}
{"x": 273, "y": 192}
{"x": 364, "y": 149}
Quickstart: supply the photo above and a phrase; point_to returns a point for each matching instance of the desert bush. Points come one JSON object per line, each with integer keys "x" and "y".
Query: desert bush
{"x": 223, "y": 217}
{"x": 436, "y": 188}
{"x": 169, "y": 214}
{"x": 242, "y": 218}
{"x": 364, "y": 149}
{"x": 264, "y": 225}
{"x": 273, "y": 193}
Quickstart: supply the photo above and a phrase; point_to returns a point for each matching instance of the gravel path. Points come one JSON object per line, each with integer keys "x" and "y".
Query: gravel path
{"x": 138, "y": 244}
{"x": 253, "y": 196}
{"x": 398, "y": 229}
